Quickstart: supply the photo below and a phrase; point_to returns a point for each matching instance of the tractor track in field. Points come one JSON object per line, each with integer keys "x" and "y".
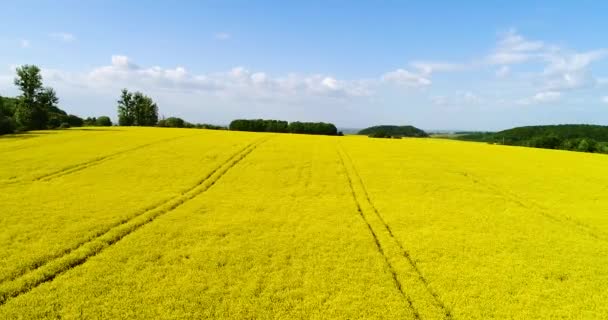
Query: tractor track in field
{"x": 96, "y": 161}
{"x": 540, "y": 209}
{"x": 437, "y": 301}
{"x": 87, "y": 164}
{"x": 46, "y": 271}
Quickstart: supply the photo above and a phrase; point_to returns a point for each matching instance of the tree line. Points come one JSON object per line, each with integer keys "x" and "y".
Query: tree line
{"x": 573, "y": 137}
{"x": 280, "y": 126}
{"x": 36, "y": 108}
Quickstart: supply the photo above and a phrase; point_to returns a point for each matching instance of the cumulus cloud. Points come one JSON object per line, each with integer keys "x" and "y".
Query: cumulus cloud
{"x": 406, "y": 78}
{"x": 238, "y": 81}
{"x": 63, "y": 36}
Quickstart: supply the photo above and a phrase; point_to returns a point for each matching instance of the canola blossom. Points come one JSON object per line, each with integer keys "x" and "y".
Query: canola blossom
{"x": 183, "y": 223}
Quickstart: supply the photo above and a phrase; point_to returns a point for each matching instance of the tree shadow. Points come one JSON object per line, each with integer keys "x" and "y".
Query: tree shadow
{"x": 26, "y": 135}
{"x": 96, "y": 129}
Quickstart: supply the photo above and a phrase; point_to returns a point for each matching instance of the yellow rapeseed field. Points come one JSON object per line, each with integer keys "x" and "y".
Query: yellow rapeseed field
{"x": 182, "y": 223}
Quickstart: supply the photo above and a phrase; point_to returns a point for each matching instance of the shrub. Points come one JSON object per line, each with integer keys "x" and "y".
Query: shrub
{"x": 103, "y": 121}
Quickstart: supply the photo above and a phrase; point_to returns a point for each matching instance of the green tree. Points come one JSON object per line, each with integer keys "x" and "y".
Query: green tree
{"x": 29, "y": 82}
{"x": 126, "y": 109}
{"x": 31, "y": 113}
{"x": 6, "y": 122}
{"x": 136, "y": 109}
{"x": 103, "y": 121}
{"x": 36, "y": 104}
{"x": 172, "y": 122}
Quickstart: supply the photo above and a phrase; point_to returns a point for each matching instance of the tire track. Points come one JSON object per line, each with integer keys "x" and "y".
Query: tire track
{"x": 534, "y": 207}
{"x": 80, "y": 254}
{"x": 83, "y": 165}
{"x": 404, "y": 269}
{"x": 96, "y": 161}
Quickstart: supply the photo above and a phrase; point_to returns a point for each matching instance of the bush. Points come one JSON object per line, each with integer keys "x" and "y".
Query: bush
{"x": 64, "y": 125}
{"x": 103, "y": 121}
{"x": 379, "y": 134}
{"x": 385, "y": 131}
{"x": 7, "y": 125}
{"x": 74, "y": 121}
{"x": 173, "y": 122}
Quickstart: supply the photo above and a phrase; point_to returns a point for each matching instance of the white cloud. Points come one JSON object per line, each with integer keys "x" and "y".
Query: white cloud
{"x": 63, "y": 36}
{"x": 542, "y": 97}
{"x": 513, "y": 48}
{"x": 223, "y": 36}
{"x": 406, "y": 78}
{"x": 503, "y": 72}
{"x": 24, "y": 43}
{"x": 430, "y": 67}
{"x": 237, "y": 82}
{"x": 605, "y": 99}
{"x": 571, "y": 70}
{"x": 561, "y": 69}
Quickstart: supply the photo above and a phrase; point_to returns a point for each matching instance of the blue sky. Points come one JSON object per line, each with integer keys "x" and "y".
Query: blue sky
{"x": 437, "y": 65}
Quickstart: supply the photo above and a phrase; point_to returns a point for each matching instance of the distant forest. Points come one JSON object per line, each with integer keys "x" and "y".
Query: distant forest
{"x": 262, "y": 125}
{"x": 388, "y": 131}
{"x": 574, "y": 137}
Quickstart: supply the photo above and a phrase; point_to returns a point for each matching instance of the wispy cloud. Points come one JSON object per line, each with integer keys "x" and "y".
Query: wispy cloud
{"x": 24, "y": 43}
{"x": 222, "y": 36}
{"x": 63, "y": 36}
{"x": 541, "y": 98}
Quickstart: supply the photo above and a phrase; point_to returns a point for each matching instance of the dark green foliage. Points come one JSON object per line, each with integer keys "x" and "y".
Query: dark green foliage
{"x": 6, "y": 122}
{"x": 205, "y": 126}
{"x": 36, "y": 108}
{"x": 64, "y": 125}
{"x": 136, "y": 109}
{"x": 313, "y": 128}
{"x": 575, "y": 137}
{"x": 74, "y": 121}
{"x": 380, "y": 134}
{"x": 90, "y": 122}
{"x": 30, "y": 116}
{"x": 386, "y": 131}
{"x": 29, "y": 81}
{"x": 31, "y": 112}
{"x": 8, "y": 106}
{"x": 103, "y": 121}
{"x": 173, "y": 122}
{"x": 261, "y": 125}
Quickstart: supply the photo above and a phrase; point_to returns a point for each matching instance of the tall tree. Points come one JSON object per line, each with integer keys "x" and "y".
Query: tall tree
{"x": 126, "y": 109}
{"x": 35, "y": 101}
{"x": 136, "y": 109}
{"x": 29, "y": 82}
